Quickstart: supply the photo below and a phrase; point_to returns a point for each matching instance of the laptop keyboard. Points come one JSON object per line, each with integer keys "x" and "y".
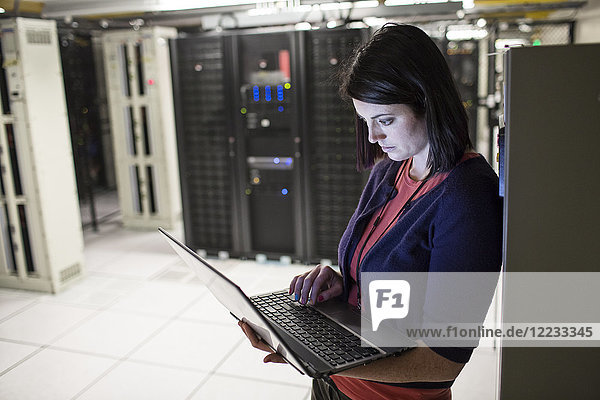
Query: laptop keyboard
{"x": 335, "y": 345}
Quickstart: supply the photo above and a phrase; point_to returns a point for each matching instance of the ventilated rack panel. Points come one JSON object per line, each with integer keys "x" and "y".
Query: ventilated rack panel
{"x": 335, "y": 185}
{"x": 202, "y": 131}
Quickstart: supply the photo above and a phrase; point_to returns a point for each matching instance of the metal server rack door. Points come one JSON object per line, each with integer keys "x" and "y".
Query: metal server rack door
{"x": 41, "y": 244}
{"x": 271, "y": 144}
{"x": 206, "y": 143}
{"x": 334, "y": 185}
{"x": 138, "y": 78}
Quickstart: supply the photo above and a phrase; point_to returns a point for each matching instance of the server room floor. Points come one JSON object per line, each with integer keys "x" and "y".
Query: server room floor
{"x": 139, "y": 325}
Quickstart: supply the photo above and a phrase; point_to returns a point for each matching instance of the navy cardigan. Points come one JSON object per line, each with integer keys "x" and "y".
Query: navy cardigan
{"x": 455, "y": 227}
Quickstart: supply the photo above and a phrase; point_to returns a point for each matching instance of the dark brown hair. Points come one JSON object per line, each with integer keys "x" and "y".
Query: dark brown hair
{"x": 400, "y": 64}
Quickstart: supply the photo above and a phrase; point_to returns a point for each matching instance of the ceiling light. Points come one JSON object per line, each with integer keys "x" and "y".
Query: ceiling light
{"x": 412, "y": 2}
{"x": 255, "y": 12}
{"x": 303, "y": 26}
{"x": 335, "y": 6}
{"x": 465, "y": 32}
{"x": 375, "y": 21}
{"x": 366, "y": 4}
{"x": 505, "y": 43}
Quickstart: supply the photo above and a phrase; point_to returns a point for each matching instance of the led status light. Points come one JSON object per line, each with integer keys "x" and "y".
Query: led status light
{"x": 256, "y": 93}
{"x": 268, "y": 93}
{"x": 243, "y": 110}
{"x": 284, "y": 191}
{"x": 287, "y": 85}
{"x": 276, "y": 160}
{"x": 150, "y": 82}
{"x": 280, "y": 108}
{"x": 288, "y": 161}
{"x": 279, "y": 92}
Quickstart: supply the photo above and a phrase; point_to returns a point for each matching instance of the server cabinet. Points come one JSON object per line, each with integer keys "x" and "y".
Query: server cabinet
{"x": 139, "y": 86}
{"x": 206, "y": 143}
{"x": 333, "y": 183}
{"x": 79, "y": 74}
{"x": 41, "y": 243}
{"x": 551, "y": 219}
{"x": 463, "y": 61}
{"x": 269, "y": 143}
{"x": 266, "y": 145}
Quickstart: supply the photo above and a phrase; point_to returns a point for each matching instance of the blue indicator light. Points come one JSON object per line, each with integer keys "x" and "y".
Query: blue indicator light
{"x": 284, "y": 191}
{"x": 279, "y": 92}
{"x": 280, "y": 108}
{"x": 268, "y": 93}
{"x": 288, "y": 161}
{"x": 256, "y": 93}
{"x": 276, "y": 160}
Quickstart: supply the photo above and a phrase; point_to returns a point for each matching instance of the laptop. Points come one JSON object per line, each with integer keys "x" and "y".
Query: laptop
{"x": 317, "y": 341}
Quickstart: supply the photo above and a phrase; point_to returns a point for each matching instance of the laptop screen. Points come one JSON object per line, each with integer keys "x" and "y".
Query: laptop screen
{"x": 230, "y": 295}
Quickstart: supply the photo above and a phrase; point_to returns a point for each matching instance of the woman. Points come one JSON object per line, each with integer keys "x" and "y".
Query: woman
{"x": 431, "y": 205}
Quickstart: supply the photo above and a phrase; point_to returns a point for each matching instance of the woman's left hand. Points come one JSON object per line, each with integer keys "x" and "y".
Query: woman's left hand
{"x": 259, "y": 344}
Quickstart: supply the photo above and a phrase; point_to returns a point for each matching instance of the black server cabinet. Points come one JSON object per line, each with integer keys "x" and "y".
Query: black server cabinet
{"x": 333, "y": 183}
{"x": 82, "y": 106}
{"x": 206, "y": 142}
{"x": 463, "y": 61}
{"x": 266, "y": 145}
{"x": 269, "y": 143}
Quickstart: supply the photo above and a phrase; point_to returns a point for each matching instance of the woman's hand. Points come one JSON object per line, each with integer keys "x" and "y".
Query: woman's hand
{"x": 259, "y": 344}
{"x": 318, "y": 285}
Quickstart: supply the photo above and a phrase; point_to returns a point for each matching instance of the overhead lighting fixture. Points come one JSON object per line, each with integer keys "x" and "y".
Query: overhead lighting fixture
{"x": 303, "y": 26}
{"x": 345, "y": 5}
{"x": 255, "y": 12}
{"x": 374, "y": 21}
{"x": 366, "y": 4}
{"x": 175, "y": 5}
{"x": 356, "y": 25}
{"x": 465, "y": 32}
{"x": 411, "y": 2}
{"x": 468, "y": 4}
{"x": 502, "y": 44}
{"x": 303, "y": 8}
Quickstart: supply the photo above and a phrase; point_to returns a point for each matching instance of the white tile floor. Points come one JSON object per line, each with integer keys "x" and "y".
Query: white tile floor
{"x": 141, "y": 326}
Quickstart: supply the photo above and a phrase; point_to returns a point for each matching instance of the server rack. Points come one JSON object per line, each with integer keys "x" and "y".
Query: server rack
{"x": 463, "y": 61}
{"x": 269, "y": 143}
{"x": 266, "y": 146}
{"x": 40, "y": 226}
{"x": 206, "y": 143}
{"x": 333, "y": 183}
{"x": 81, "y": 95}
{"x": 138, "y": 78}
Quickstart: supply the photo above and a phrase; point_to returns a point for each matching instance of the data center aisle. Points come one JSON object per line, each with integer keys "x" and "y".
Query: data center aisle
{"x": 141, "y": 326}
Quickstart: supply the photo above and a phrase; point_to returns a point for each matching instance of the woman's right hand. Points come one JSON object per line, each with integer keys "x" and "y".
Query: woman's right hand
{"x": 318, "y": 285}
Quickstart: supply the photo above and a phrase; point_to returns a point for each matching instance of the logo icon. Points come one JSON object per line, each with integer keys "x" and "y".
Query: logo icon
{"x": 389, "y": 299}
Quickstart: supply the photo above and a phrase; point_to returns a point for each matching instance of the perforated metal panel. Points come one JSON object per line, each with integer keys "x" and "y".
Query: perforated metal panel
{"x": 80, "y": 89}
{"x": 335, "y": 185}
{"x": 203, "y": 136}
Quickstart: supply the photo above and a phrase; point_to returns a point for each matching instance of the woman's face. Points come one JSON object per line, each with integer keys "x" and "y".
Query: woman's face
{"x": 396, "y": 128}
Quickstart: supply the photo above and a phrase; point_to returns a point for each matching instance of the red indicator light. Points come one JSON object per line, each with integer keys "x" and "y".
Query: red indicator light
{"x": 150, "y": 81}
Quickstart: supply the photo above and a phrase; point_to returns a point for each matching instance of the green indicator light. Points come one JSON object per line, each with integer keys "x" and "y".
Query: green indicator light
{"x": 537, "y": 42}
{"x": 287, "y": 85}
{"x": 248, "y": 192}
{"x": 243, "y": 110}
